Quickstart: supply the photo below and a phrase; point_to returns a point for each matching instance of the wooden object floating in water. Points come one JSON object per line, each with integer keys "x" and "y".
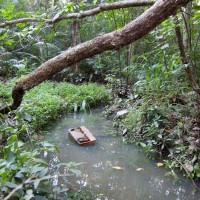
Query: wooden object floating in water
{"x": 82, "y": 135}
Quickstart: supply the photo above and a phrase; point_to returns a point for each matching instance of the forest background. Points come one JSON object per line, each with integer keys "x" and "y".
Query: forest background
{"x": 156, "y": 79}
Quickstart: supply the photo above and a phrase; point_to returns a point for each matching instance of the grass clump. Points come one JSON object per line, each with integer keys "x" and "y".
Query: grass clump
{"x": 47, "y": 101}
{"x": 5, "y": 92}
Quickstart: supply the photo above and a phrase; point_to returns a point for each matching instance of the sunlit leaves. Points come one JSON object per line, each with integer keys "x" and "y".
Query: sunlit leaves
{"x": 95, "y": 2}
{"x": 197, "y": 170}
{"x": 7, "y": 12}
{"x": 22, "y": 166}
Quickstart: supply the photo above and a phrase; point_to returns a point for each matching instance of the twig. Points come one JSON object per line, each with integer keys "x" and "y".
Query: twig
{"x": 19, "y": 187}
{"x": 29, "y": 180}
{"x": 195, "y": 185}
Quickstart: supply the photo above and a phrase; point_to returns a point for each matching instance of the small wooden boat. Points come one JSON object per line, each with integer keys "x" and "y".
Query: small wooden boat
{"x": 82, "y": 135}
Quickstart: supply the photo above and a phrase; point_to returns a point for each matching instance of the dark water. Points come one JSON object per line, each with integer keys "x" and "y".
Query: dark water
{"x": 98, "y": 173}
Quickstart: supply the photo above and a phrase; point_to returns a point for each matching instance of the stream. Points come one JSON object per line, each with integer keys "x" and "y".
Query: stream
{"x": 109, "y": 169}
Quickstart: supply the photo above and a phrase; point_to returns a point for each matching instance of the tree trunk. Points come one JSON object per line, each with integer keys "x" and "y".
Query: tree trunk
{"x": 190, "y": 74}
{"x": 137, "y": 28}
{"x": 75, "y": 33}
{"x": 187, "y": 33}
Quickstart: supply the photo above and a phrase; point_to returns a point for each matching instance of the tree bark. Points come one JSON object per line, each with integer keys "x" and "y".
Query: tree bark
{"x": 83, "y": 14}
{"x": 75, "y": 33}
{"x": 137, "y": 28}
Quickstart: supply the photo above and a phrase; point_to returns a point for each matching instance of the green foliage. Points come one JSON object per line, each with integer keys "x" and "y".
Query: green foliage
{"x": 7, "y": 13}
{"x": 5, "y": 91}
{"x": 149, "y": 72}
{"x": 47, "y": 101}
{"x": 41, "y": 105}
{"x": 24, "y": 175}
{"x": 164, "y": 126}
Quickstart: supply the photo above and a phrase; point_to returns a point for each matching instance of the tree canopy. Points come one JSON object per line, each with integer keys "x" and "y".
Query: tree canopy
{"x": 134, "y": 30}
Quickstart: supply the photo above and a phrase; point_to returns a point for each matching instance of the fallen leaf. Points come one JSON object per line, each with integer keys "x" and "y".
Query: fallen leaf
{"x": 139, "y": 169}
{"x": 117, "y": 167}
{"x": 189, "y": 167}
{"x": 159, "y": 164}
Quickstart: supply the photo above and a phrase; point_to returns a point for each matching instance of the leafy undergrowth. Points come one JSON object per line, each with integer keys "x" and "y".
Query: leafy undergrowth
{"x": 165, "y": 125}
{"x": 47, "y": 101}
{"x": 23, "y": 175}
{"x": 5, "y": 92}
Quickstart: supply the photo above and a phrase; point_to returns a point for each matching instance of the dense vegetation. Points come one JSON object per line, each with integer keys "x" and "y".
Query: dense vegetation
{"x": 148, "y": 78}
{"x": 40, "y": 107}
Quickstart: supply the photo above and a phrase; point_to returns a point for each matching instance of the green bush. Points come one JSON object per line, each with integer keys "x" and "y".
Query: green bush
{"x": 47, "y": 101}
{"x": 23, "y": 175}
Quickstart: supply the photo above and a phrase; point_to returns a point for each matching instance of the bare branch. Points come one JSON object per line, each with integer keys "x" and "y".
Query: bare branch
{"x": 133, "y": 31}
{"x": 83, "y": 14}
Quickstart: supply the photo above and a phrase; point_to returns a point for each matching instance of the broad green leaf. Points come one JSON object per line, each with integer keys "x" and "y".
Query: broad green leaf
{"x": 197, "y": 170}
{"x": 10, "y": 158}
{"x": 12, "y": 139}
{"x": 36, "y": 169}
{"x": 38, "y": 197}
{"x": 20, "y": 143}
{"x": 9, "y": 42}
{"x": 19, "y": 175}
{"x": 20, "y": 25}
{"x": 24, "y": 156}
{"x": 43, "y": 172}
{"x": 38, "y": 160}
{"x": 95, "y": 2}
{"x": 142, "y": 144}
{"x": 36, "y": 183}
{"x": 76, "y": 171}
{"x": 28, "y": 197}
{"x": 3, "y": 175}
{"x": 23, "y": 169}
{"x": 29, "y": 192}
{"x": 10, "y": 185}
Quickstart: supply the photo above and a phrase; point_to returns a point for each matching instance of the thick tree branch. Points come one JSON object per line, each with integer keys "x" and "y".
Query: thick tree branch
{"x": 83, "y": 14}
{"x": 136, "y": 29}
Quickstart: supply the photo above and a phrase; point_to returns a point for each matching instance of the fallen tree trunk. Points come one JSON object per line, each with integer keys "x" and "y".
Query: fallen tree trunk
{"x": 82, "y": 14}
{"x": 139, "y": 27}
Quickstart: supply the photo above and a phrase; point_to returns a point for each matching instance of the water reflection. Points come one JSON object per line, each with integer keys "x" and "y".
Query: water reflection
{"x": 109, "y": 169}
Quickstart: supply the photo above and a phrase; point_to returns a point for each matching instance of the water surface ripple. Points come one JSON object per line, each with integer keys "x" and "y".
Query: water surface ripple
{"x": 99, "y": 175}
